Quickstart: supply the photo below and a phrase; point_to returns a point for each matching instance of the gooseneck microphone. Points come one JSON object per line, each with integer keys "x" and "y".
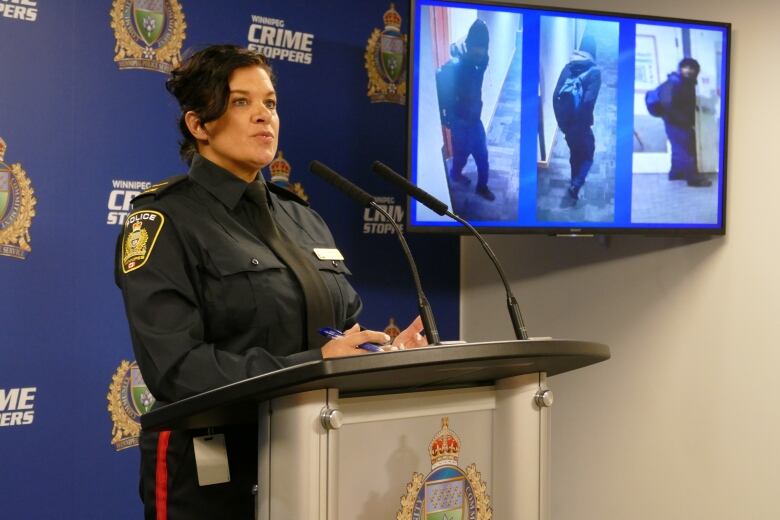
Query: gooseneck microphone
{"x": 365, "y": 199}
{"x": 441, "y": 208}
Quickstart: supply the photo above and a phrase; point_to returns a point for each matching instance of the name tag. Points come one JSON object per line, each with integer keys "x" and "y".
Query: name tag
{"x": 328, "y": 254}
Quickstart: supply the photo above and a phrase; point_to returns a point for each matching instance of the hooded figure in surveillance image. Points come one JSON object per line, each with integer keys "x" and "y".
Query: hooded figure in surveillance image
{"x": 466, "y": 130}
{"x": 678, "y": 125}
{"x": 577, "y": 135}
{"x": 675, "y": 102}
{"x": 463, "y": 110}
{"x": 573, "y": 103}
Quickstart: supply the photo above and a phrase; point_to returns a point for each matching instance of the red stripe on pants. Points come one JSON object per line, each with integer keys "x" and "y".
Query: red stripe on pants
{"x": 161, "y": 476}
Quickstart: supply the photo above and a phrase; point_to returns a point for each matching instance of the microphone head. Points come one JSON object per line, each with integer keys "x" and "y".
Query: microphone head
{"x": 329, "y": 175}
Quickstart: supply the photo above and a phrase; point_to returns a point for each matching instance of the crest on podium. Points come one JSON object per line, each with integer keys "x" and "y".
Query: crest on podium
{"x": 447, "y": 492}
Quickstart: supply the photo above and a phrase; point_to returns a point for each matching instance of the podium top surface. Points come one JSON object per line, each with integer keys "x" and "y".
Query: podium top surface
{"x": 416, "y": 370}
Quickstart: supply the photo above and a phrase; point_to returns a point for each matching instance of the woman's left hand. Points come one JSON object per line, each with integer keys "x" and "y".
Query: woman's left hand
{"x": 411, "y": 336}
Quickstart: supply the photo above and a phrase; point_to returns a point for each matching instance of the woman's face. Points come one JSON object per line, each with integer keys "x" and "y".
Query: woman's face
{"x": 245, "y": 137}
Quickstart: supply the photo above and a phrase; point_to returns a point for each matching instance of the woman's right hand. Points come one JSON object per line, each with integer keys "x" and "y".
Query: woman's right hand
{"x": 347, "y": 345}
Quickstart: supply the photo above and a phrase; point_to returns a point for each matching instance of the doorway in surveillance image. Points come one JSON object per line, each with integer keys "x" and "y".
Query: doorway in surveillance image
{"x": 578, "y": 120}
{"x": 468, "y": 139}
{"x": 677, "y": 121}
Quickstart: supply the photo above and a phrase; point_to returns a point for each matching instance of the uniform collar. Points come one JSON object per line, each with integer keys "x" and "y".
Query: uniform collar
{"x": 225, "y": 186}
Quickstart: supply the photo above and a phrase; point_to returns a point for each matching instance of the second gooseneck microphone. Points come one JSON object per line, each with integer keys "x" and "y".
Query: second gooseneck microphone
{"x": 365, "y": 199}
{"x": 441, "y": 208}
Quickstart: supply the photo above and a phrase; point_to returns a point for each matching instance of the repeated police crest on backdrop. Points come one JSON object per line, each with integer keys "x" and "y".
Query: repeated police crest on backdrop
{"x": 17, "y": 208}
{"x": 386, "y": 61}
{"x": 87, "y": 125}
{"x": 149, "y": 34}
{"x": 128, "y": 398}
{"x": 280, "y": 175}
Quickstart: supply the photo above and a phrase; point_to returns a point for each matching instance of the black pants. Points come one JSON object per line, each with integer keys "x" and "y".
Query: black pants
{"x": 468, "y": 138}
{"x": 169, "y": 483}
{"x": 582, "y": 146}
{"x": 683, "y": 151}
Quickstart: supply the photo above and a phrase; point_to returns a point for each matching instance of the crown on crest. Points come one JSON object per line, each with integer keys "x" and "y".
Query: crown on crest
{"x": 444, "y": 449}
{"x": 137, "y": 225}
{"x": 392, "y": 329}
{"x": 2, "y": 149}
{"x": 280, "y": 169}
{"x": 392, "y": 18}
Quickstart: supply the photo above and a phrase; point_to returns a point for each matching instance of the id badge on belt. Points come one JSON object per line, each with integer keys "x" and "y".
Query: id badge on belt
{"x": 211, "y": 459}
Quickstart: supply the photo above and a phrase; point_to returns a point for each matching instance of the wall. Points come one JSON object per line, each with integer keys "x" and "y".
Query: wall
{"x": 683, "y": 421}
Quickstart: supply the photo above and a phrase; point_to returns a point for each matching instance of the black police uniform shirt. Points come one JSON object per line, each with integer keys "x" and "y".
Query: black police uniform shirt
{"x": 207, "y": 301}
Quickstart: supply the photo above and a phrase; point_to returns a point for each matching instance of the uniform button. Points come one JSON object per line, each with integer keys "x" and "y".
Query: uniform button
{"x": 255, "y": 261}
{"x": 335, "y": 263}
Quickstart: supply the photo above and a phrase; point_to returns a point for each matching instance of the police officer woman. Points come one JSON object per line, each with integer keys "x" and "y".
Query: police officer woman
{"x": 221, "y": 281}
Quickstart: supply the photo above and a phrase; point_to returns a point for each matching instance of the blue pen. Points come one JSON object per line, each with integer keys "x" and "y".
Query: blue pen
{"x": 332, "y": 333}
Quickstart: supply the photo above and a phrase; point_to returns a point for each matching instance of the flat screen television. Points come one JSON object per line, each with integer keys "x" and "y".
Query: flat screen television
{"x": 527, "y": 119}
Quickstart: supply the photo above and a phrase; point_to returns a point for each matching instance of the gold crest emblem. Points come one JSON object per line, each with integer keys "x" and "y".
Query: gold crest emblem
{"x": 17, "y": 208}
{"x": 447, "y": 492}
{"x": 149, "y": 34}
{"x": 128, "y": 399}
{"x": 386, "y": 61}
{"x": 280, "y": 175}
{"x": 135, "y": 244}
{"x": 139, "y": 226}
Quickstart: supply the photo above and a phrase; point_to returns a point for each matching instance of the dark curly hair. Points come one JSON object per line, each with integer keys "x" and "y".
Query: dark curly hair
{"x": 690, "y": 62}
{"x": 200, "y": 84}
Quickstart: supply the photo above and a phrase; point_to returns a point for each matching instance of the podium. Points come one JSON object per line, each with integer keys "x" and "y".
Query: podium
{"x": 350, "y": 438}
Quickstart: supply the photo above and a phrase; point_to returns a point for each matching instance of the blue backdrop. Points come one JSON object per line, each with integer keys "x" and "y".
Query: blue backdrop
{"x": 86, "y": 134}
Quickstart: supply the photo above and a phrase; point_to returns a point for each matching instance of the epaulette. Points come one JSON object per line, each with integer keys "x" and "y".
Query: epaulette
{"x": 284, "y": 193}
{"x": 155, "y": 190}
